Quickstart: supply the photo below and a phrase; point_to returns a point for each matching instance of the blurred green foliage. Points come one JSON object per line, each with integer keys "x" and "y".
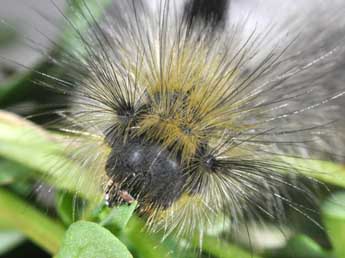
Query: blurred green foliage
{"x": 80, "y": 230}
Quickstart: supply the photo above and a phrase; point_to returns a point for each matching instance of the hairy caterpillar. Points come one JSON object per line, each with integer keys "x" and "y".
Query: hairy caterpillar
{"x": 193, "y": 113}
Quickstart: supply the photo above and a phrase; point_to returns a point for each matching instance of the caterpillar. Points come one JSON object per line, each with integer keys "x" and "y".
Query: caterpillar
{"x": 194, "y": 110}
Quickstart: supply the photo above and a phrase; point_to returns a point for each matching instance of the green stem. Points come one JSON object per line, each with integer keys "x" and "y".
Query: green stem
{"x": 38, "y": 227}
{"x": 146, "y": 245}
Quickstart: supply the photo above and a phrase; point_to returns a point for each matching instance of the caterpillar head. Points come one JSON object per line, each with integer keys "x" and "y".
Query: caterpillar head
{"x": 146, "y": 172}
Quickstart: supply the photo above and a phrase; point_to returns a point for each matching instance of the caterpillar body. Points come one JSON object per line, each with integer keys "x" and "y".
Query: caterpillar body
{"x": 194, "y": 111}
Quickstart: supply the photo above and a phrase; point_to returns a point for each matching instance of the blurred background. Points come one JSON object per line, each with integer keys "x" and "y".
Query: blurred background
{"x": 28, "y": 28}
{"x": 32, "y": 20}
{"x": 22, "y": 21}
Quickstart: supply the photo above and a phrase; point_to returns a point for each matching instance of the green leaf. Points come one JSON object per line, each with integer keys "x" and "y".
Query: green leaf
{"x": 38, "y": 227}
{"x": 221, "y": 249}
{"x": 147, "y": 245}
{"x": 69, "y": 207}
{"x": 301, "y": 246}
{"x": 11, "y": 172}
{"x": 119, "y": 216}
{"x": 26, "y": 144}
{"x": 90, "y": 240}
{"x": 64, "y": 207}
{"x": 333, "y": 213}
{"x": 324, "y": 171}
{"x": 9, "y": 240}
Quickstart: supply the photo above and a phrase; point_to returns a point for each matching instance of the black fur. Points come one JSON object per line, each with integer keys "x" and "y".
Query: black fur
{"x": 146, "y": 171}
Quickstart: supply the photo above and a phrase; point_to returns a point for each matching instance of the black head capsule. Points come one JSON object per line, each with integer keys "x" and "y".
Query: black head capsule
{"x": 143, "y": 171}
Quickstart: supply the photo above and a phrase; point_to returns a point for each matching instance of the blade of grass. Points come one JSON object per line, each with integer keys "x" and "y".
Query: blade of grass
{"x": 38, "y": 227}
{"x": 221, "y": 249}
{"x": 11, "y": 172}
{"x": 146, "y": 245}
{"x": 333, "y": 214}
{"x": 300, "y": 246}
{"x": 324, "y": 171}
{"x": 24, "y": 143}
{"x": 119, "y": 216}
